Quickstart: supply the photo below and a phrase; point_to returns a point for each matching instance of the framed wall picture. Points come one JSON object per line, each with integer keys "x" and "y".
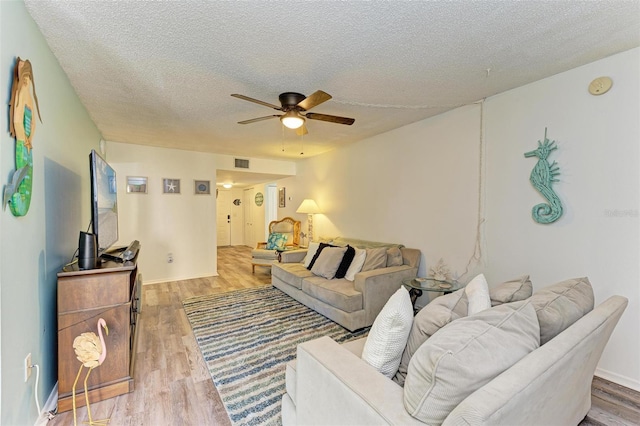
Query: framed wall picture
{"x": 203, "y": 187}
{"x": 171, "y": 186}
{"x": 282, "y": 199}
{"x": 136, "y": 184}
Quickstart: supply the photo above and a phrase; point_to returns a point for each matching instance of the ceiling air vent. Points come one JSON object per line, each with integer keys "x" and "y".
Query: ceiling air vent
{"x": 242, "y": 163}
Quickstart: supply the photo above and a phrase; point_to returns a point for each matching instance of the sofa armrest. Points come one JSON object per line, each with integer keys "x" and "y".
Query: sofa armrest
{"x": 335, "y": 387}
{"x": 551, "y": 385}
{"x": 378, "y": 285}
{"x": 293, "y": 256}
{"x": 261, "y": 245}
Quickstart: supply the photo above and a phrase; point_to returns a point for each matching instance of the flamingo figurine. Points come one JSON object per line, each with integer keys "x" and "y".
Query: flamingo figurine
{"x": 91, "y": 351}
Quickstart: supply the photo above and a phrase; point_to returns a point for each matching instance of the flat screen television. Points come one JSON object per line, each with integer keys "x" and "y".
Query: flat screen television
{"x": 104, "y": 202}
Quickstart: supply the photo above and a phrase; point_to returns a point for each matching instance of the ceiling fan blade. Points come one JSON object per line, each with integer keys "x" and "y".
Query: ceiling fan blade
{"x": 246, "y": 98}
{"x": 314, "y": 99}
{"x": 253, "y": 120}
{"x": 302, "y": 130}
{"x": 330, "y": 118}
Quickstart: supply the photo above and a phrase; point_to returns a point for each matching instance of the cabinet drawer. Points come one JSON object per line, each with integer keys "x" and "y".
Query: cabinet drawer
{"x": 92, "y": 291}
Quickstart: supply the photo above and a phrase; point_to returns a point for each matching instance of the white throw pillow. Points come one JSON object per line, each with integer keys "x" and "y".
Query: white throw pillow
{"x": 311, "y": 251}
{"x": 477, "y": 292}
{"x": 356, "y": 264}
{"x": 389, "y": 333}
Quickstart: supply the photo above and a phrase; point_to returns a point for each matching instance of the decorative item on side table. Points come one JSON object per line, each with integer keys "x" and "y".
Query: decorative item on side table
{"x": 309, "y": 207}
{"x": 417, "y": 285}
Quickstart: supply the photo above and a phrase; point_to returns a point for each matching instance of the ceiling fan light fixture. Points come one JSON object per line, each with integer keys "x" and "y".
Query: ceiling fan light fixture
{"x": 292, "y": 120}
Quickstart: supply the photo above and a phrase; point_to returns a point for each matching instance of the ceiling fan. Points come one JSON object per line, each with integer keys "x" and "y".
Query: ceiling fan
{"x": 294, "y": 105}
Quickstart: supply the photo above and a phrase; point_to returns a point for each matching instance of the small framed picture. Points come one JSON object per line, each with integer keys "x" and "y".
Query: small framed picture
{"x": 136, "y": 184}
{"x": 171, "y": 186}
{"x": 282, "y": 199}
{"x": 202, "y": 187}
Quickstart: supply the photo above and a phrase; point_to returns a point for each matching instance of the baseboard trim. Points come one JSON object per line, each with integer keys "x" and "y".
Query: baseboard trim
{"x": 172, "y": 279}
{"x": 619, "y": 379}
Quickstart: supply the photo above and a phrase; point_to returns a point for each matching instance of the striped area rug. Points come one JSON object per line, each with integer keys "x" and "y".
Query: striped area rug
{"x": 246, "y": 338}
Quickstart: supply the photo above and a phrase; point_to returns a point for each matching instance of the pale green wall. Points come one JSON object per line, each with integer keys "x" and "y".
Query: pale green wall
{"x": 34, "y": 248}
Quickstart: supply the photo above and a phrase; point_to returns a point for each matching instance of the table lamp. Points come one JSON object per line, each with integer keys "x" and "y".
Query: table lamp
{"x": 309, "y": 207}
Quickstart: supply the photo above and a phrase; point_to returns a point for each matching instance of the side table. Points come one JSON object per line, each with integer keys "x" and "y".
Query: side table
{"x": 417, "y": 285}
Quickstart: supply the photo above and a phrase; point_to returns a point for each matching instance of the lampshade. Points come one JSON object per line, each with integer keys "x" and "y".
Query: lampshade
{"x": 308, "y": 206}
{"x": 292, "y": 119}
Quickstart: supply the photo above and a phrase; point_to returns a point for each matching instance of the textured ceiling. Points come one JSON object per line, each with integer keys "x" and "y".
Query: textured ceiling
{"x": 161, "y": 73}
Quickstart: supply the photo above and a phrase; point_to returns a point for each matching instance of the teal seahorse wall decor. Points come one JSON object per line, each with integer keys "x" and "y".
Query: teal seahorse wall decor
{"x": 542, "y": 177}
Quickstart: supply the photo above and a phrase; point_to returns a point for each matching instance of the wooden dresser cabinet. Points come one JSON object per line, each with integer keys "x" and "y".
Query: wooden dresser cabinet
{"x": 110, "y": 292}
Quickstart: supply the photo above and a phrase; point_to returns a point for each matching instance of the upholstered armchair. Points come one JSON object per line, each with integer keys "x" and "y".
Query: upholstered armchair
{"x": 287, "y": 227}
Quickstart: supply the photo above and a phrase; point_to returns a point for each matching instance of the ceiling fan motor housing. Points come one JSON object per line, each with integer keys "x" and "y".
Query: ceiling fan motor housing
{"x": 288, "y": 100}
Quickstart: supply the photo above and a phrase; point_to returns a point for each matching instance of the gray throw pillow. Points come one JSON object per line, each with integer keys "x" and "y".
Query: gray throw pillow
{"x": 511, "y": 291}
{"x": 376, "y": 258}
{"x": 394, "y": 257}
{"x": 466, "y": 355}
{"x": 560, "y": 305}
{"x": 430, "y": 319}
{"x": 328, "y": 262}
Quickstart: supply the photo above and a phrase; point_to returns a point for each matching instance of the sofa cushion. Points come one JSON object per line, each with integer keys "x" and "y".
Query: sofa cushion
{"x": 430, "y": 319}
{"x": 511, "y": 291}
{"x": 321, "y": 247}
{"x": 264, "y": 254}
{"x": 291, "y": 273}
{"x": 478, "y": 295}
{"x": 311, "y": 252}
{"x": 389, "y": 332}
{"x": 356, "y": 264}
{"x": 346, "y": 262}
{"x": 338, "y": 293}
{"x": 560, "y": 305}
{"x": 276, "y": 241}
{"x": 376, "y": 258}
{"x": 290, "y": 379}
{"x": 394, "y": 257}
{"x": 465, "y": 355}
{"x": 328, "y": 262}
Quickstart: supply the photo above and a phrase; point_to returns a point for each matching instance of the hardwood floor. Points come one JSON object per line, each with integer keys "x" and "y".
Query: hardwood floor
{"x": 173, "y": 385}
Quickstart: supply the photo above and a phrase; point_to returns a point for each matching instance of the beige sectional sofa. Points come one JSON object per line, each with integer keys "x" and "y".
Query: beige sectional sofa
{"x": 329, "y": 383}
{"x": 352, "y": 304}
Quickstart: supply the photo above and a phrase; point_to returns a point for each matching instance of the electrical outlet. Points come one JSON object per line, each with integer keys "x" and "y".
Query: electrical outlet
{"x": 170, "y": 258}
{"x": 27, "y": 367}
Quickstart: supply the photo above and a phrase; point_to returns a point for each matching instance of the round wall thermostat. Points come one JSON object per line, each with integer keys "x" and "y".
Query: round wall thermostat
{"x": 600, "y": 85}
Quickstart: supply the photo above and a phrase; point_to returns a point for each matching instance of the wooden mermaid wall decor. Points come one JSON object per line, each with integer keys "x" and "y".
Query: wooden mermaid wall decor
{"x": 22, "y": 125}
{"x": 542, "y": 177}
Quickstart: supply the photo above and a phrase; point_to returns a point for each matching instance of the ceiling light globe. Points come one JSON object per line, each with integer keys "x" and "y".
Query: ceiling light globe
{"x": 292, "y": 120}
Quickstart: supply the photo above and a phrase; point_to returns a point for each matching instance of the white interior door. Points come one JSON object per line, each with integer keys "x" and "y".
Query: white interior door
{"x": 249, "y": 232}
{"x": 223, "y": 219}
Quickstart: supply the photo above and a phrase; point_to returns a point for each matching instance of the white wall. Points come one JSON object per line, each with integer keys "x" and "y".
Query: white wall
{"x": 181, "y": 224}
{"x": 418, "y": 185}
{"x": 598, "y": 140}
{"x": 34, "y": 248}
